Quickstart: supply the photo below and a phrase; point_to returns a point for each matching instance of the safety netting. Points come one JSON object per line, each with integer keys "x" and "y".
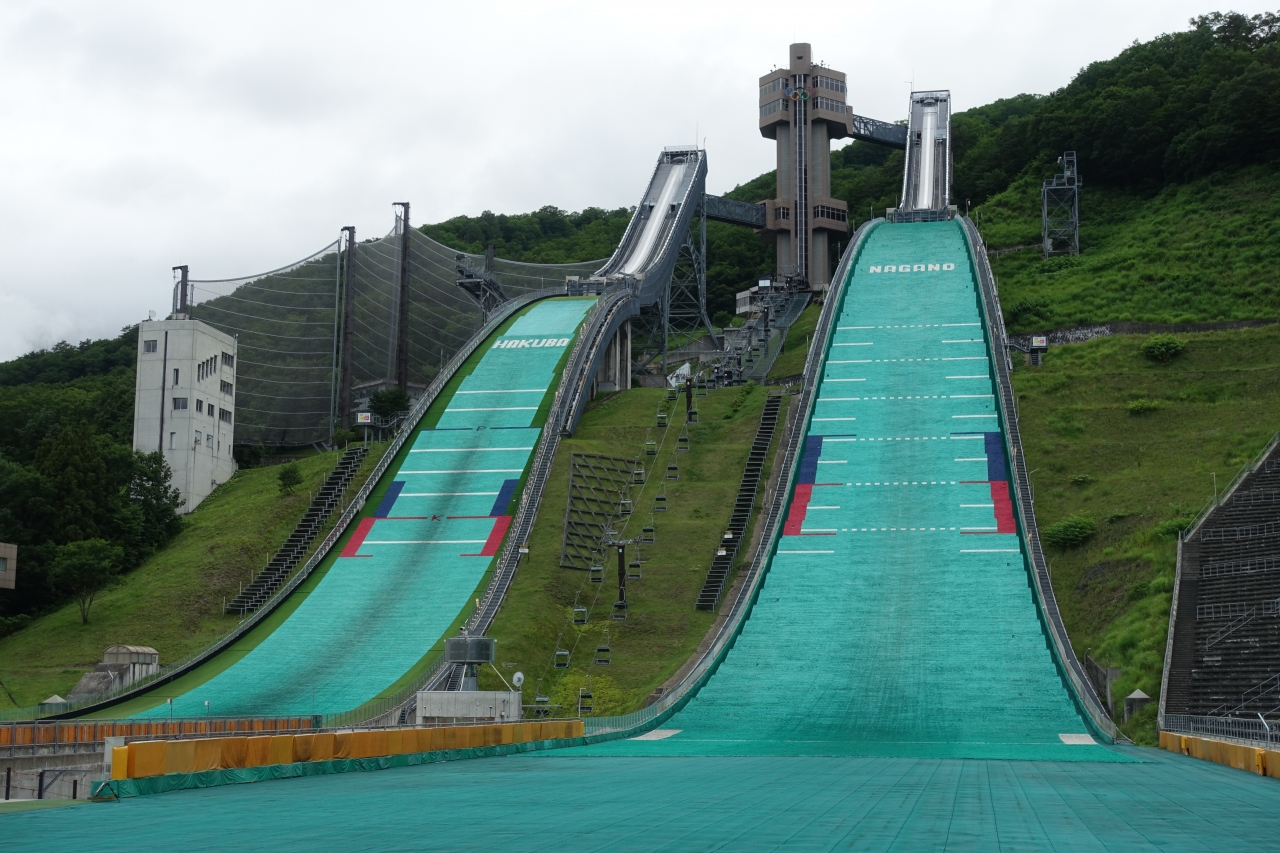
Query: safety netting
{"x": 288, "y": 325}
{"x": 284, "y": 322}
{"x": 408, "y": 569}
{"x": 896, "y": 617}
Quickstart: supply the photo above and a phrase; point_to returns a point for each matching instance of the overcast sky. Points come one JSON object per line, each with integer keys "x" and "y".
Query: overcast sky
{"x": 240, "y": 136}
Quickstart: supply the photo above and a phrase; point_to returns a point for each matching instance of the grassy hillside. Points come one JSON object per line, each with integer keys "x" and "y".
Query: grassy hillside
{"x": 1198, "y": 252}
{"x": 795, "y": 347}
{"x": 173, "y": 601}
{"x": 662, "y": 629}
{"x": 1139, "y": 471}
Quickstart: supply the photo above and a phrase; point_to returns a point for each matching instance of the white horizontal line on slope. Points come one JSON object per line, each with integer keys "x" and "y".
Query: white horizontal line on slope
{"x": 507, "y": 391}
{"x": 859, "y": 344}
{"x": 971, "y": 459}
{"x": 960, "y": 324}
{"x": 979, "y": 505}
{"x": 467, "y": 471}
{"x": 854, "y": 380}
{"x": 780, "y": 551}
{"x": 833, "y": 461}
{"x": 850, "y": 361}
{"x": 973, "y": 416}
{"x": 835, "y": 419}
{"x": 424, "y": 542}
{"x": 495, "y": 409}
{"x": 822, "y": 507}
{"x": 965, "y": 358}
{"x": 443, "y": 494}
{"x": 966, "y": 341}
{"x": 465, "y": 449}
{"x": 978, "y": 376}
{"x": 852, "y": 328}
{"x": 990, "y": 550}
{"x": 969, "y": 396}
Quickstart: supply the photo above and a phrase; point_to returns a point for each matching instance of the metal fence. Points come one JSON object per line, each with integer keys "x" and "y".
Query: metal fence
{"x": 1256, "y": 732}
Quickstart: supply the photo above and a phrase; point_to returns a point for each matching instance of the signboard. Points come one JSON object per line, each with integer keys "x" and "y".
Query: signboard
{"x": 364, "y": 417}
{"x": 1040, "y": 342}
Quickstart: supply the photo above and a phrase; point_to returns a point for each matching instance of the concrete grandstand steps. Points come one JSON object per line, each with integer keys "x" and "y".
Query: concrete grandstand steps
{"x": 744, "y": 502}
{"x": 1226, "y": 635}
{"x": 286, "y": 559}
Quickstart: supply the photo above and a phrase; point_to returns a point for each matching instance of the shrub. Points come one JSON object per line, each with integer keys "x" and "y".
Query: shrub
{"x": 1080, "y": 479}
{"x": 386, "y": 403}
{"x": 1070, "y": 532}
{"x": 1162, "y": 348}
{"x": 290, "y": 477}
{"x": 343, "y": 437}
{"x": 1142, "y": 406}
{"x": 1173, "y": 526}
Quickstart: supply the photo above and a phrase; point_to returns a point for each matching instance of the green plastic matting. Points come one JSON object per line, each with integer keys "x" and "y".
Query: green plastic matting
{"x": 897, "y": 616}
{"x": 1163, "y": 802}
{"x": 406, "y": 573}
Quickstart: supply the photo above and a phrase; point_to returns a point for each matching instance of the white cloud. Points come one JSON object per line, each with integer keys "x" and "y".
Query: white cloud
{"x": 238, "y": 136}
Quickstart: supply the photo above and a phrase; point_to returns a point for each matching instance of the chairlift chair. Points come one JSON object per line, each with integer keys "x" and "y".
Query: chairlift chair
{"x": 579, "y": 615}
{"x": 542, "y": 706}
{"x": 624, "y": 507}
{"x": 682, "y": 443}
{"x": 646, "y": 535}
{"x": 584, "y": 701}
{"x": 651, "y": 448}
{"x": 596, "y": 574}
{"x": 662, "y": 419}
{"x": 637, "y": 476}
{"x": 671, "y": 394}
{"x": 602, "y": 655}
{"x": 692, "y": 416}
{"x": 619, "y": 610}
{"x": 673, "y": 472}
{"x": 660, "y": 502}
{"x": 562, "y": 658}
{"x": 633, "y": 571}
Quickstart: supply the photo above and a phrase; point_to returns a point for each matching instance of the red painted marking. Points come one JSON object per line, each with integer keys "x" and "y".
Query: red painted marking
{"x": 491, "y": 545}
{"x": 799, "y": 508}
{"x": 1004, "y": 507}
{"x": 357, "y": 538}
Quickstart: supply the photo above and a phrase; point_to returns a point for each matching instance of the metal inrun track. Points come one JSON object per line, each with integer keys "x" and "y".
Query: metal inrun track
{"x": 727, "y": 551}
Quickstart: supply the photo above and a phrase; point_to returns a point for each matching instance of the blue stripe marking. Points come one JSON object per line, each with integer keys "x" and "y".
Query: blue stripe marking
{"x": 809, "y": 460}
{"x": 389, "y": 499}
{"x": 504, "y": 497}
{"x": 995, "y": 456}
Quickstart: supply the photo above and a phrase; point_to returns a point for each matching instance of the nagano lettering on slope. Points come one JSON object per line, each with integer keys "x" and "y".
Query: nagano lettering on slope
{"x": 520, "y": 343}
{"x": 912, "y": 268}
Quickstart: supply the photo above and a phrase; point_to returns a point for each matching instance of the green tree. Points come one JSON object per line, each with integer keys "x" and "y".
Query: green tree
{"x": 73, "y": 463}
{"x": 386, "y": 403}
{"x": 290, "y": 477}
{"x": 83, "y": 569}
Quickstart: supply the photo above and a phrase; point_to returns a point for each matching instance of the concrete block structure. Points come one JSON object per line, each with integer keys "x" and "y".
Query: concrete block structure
{"x": 802, "y": 108}
{"x": 184, "y": 403}
{"x": 8, "y": 566}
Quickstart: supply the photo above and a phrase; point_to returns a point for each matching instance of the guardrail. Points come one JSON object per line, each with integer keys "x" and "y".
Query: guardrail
{"x": 676, "y": 698}
{"x": 1254, "y": 732}
{"x": 1043, "y": 586}
{"x": 185, "y": 664}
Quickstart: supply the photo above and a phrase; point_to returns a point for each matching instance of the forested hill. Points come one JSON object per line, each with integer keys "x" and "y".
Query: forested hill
{"x": 1186, "y": 108}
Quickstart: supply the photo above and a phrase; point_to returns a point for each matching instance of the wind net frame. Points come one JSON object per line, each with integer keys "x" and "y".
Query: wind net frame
{"x": 285, "y": 325}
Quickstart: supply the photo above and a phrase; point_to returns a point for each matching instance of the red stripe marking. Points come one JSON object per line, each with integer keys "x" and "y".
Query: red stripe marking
{"x": 1004, "y": 507}
{"x": 357, "y": 538}
{"x": 799, "y": 508}
{"x": 491, "y": 545}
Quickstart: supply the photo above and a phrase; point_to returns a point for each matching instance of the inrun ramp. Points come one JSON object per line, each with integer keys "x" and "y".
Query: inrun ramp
{"x": 408, "y": 569}
{"x": 897, "y": 617}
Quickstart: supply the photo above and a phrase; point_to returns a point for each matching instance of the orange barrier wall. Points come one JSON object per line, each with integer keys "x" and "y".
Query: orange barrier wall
{"x": 157, "y": 757}
{"x": 1264, "y": 762}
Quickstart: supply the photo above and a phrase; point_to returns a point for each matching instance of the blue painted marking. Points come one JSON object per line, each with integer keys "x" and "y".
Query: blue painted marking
{"x": 995, "y": 456}
{"x": 504, "y": 497}
{"x": 389, "y": 499}
{"x": 809, "y": 459}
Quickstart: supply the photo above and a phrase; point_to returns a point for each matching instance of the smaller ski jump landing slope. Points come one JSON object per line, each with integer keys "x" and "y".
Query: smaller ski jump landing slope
{"x": 409, "y": 568}
{"x": 897, "y": 618}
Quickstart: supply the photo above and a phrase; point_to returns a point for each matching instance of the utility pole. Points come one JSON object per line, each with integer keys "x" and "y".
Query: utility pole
{"x": 348, "y": 305}
{"x": 402, "y": 320}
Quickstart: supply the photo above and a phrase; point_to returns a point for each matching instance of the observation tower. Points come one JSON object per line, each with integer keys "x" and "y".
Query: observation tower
{"x": 802, "y": 107}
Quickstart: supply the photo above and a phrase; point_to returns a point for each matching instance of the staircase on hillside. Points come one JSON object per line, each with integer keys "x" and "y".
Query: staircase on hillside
{"x": 291, "y": 552}
{"x": 1225, "y": 658}
{"x": 727, "y": 550}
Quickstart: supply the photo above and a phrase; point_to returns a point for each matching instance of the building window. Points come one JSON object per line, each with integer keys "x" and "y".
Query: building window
{"x": 224, "y": 415}
{"x": 209, "y": 436}
{"x": 179, "y": 403}
{"x": 775, "y": 85}
{"x": 773, "y": 107}
{"x": 227, "y": 388}
{"x": 228, "y": 360}
{"x": 780, "y": 213}
{"x": 175, "y": 376}
{"x": 173, "y": 440}
{"x": 149, "y": 346}
{"x": 210, "y": 405}
{"x": 823, "y": 211}
{"x": 830, "y": 83}
{"x": 830, "y": 104}
{"x": 197, "y": 439}
{"x": 200, "y": 406}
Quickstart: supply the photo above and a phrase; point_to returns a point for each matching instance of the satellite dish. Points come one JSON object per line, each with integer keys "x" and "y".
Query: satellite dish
{"x": 517, "y": 679}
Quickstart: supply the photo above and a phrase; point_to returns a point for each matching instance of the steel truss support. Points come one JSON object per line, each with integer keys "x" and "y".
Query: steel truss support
{"x": 679, "y": 318}
{"x": 1060, "y": 209}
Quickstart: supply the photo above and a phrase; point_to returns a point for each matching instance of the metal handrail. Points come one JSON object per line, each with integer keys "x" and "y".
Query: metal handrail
{"x": 183, "y": 665}
{"x": 674, "y": 699}
{"x": 1043, "y": 586}
{"x": 1241, "y": 730}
